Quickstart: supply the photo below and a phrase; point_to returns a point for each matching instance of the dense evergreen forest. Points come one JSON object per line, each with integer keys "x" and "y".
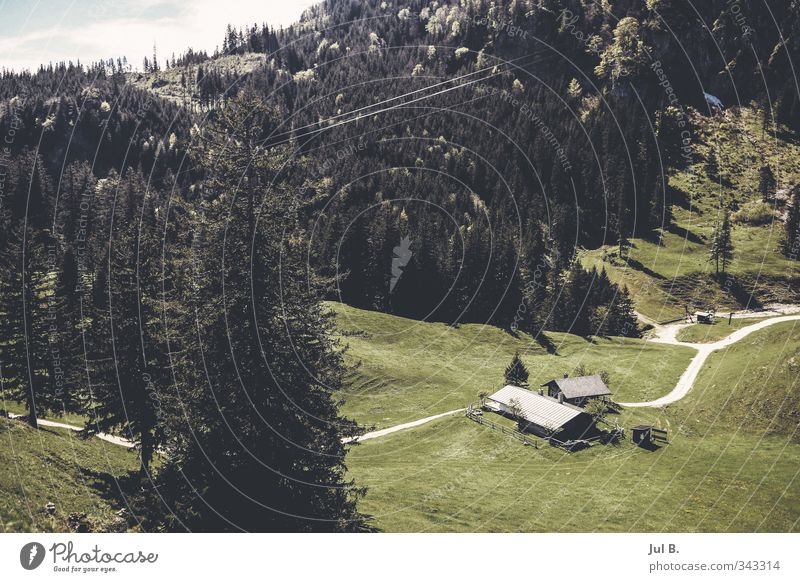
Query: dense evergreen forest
{"x": 164, "y": 259}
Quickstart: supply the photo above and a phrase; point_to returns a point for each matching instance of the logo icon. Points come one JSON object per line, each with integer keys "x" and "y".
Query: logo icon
{"x": 402, "y": 254}
{"x": 31, "y": 555}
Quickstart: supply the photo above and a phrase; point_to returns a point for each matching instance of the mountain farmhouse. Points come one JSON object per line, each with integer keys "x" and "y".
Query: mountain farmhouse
{"x": 540, "y": 414}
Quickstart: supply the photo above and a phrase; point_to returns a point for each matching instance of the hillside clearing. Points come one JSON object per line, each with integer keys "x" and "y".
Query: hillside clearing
{"x": 732, "y": 465}
{"x": 56, "y": 466}
{"x": 409, "y": 369}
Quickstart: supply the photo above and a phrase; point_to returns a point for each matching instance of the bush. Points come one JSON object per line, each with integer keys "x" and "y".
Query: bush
{"x": 754, "y": 213}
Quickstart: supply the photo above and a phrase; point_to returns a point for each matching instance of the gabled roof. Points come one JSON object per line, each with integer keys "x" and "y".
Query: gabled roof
{"x": 541, "y": 410}
{"x": 581, "y": 386}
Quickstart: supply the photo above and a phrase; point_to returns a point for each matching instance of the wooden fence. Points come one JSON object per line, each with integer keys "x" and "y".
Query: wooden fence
{"x": 520, "y": 436}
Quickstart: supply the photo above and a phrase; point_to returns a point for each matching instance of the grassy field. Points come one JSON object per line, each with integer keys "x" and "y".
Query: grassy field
{"x": 54, "y": 465}
{"x": 732, "y": 466}
{"x": 753, "y": 386}
{"x": 410, "y": 369}
{"x": 665, "y": 275}
{"x": 701, "y": 333}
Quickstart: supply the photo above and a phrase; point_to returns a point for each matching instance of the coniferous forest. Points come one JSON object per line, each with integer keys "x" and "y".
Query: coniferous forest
{"x": 164, "y": 259}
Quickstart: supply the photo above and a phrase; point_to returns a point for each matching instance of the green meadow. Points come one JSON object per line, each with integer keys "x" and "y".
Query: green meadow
{"x": 732, "y": 464}
{"x": 406, "y": 369}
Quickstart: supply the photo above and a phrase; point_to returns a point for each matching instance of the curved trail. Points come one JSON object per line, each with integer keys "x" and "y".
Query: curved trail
{"x": 123, "y": 442}
{"x": 391, "y": 429}
{"x": 109, "y": 438}
{"x": 668, "y": 334}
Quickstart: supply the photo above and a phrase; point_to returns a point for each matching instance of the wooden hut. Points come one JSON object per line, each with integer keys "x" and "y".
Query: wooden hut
{"x": 577, "y": 391}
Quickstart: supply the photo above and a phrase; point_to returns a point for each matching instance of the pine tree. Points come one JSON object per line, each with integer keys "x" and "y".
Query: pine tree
{"x": 516, "y": 373}
{"x": 712, "y": 167}
{"x": 790, "y": 244}
{"x": 265, "y": 451}
{"x": 767, "y": 183}
{"x": 721, "y": 247}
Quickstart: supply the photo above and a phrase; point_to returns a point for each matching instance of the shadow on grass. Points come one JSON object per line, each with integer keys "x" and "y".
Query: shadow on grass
{"x": 732, "y": 286}
{"x": 648, "y": 446}
{"x": 112, "y": 488}
{"x": 679, "y": 197}
{"x": 787, "y": 137}
{"x": 685, "y": 234}
{"x": 638, "y": 266}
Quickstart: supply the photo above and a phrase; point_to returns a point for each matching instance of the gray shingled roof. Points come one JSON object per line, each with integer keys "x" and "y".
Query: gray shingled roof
{"x": 581, "y": 386}
{"x": 541, "y": 410}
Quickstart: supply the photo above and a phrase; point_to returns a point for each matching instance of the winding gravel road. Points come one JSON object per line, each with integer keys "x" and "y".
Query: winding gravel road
{"x": 667, "y": 334}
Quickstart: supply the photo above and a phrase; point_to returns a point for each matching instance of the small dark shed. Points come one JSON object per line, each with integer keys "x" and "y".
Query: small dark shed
{"x": 704, "y": 317}
{"x": 647, "y": 435}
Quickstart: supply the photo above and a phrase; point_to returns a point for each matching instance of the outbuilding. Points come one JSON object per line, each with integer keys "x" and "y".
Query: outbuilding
{"x": 704, "y": 317}
{"x": 542, "y": 415}
{"x": 577, "y": 391}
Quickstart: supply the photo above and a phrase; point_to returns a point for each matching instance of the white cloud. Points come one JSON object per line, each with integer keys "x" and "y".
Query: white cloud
{"x": 87, "y": 31}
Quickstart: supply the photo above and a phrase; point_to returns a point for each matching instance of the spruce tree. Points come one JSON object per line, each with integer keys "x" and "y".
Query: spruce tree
{"x": 790, "y": 244}
{"x": 30, "y": 329}
{"x": 255, "y": 436}
{"x": 622, "y": 319}
{"x": 721, "y": 248}
{"x": 767, "y": 183}
{"x": 516, "y": 373}
{"x": 124, "y": 381}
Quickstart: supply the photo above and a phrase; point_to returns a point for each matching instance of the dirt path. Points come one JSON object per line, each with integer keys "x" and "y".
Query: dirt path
{"x": 399, "y": 427}
{"x": 109, "y": 438}
{"x": 128, "y": 444}
{"x": 667, "y": 334}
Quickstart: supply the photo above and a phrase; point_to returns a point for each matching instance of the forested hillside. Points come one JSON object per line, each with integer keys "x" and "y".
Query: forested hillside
{"x": 167, "y": 234}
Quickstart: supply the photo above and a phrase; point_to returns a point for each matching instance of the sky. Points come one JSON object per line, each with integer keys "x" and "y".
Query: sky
{"x": 34, "y": 32}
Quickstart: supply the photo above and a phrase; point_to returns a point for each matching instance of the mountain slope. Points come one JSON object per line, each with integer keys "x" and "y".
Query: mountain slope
{"x": 731, "y": 465}
{"x": 672, "y": 268}
{"x": 55, "y": 466}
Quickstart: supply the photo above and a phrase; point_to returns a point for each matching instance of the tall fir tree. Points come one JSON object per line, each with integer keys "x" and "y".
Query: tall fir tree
{"x": 767, "y": 183}
{"x": 721, "y": 247}
{"x": 266, "y": 451}
{"x": 790, "y": 243}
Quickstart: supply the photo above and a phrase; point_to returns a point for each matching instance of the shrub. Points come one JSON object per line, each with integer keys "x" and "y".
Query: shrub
{"x": 754, "y": 212}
